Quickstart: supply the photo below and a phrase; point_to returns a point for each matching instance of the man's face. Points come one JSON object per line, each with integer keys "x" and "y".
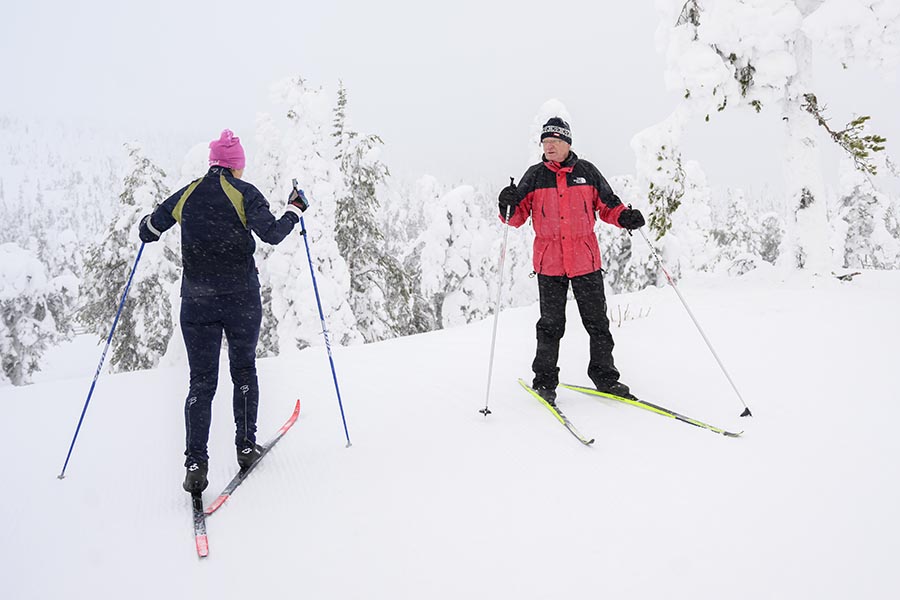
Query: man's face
{"x": 555, "y": 149}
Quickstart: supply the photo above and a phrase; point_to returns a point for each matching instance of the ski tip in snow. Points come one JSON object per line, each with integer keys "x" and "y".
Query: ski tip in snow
{"x": 202, "y": 546}
{"x": 216, "y": 504}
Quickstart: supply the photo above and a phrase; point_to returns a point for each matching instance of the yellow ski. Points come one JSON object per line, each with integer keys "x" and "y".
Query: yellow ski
{"x": 651, "y": 407}
{"x": 558, "y": 414}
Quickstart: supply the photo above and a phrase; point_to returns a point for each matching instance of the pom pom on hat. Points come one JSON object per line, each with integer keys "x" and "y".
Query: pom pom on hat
{"x": 227, "y": 151}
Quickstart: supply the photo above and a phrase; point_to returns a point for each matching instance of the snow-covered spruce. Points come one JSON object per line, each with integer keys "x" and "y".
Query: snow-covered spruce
{"x": 33, "y": 312}
{"x": 146, "y": 323}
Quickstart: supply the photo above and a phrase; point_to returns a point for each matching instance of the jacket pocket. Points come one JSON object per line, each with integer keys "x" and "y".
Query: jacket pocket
{"x": 540, "y": 251}
{"x": 592, "y": 253}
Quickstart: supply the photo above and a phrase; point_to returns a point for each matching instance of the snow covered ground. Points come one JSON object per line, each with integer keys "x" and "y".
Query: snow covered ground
{"x": 433, "y": 500}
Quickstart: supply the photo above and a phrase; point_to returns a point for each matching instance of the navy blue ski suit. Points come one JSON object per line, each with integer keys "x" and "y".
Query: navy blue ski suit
{"x": 219, "y": 293}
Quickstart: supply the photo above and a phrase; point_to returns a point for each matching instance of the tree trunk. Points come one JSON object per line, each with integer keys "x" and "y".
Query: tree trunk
{"x": 805, "y": 187}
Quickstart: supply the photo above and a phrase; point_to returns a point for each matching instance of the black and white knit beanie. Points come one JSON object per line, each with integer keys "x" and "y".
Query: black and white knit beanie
{"x": 557, "y": 128}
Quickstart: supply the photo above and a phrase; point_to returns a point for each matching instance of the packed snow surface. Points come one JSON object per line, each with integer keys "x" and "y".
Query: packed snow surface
{"x": 433, "y": 500}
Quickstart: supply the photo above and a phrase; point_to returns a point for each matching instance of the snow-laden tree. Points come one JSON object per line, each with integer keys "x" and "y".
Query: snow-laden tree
{"x": 457, "y": 263}
{"x": 758, "y": 54}
{"x": 356, "y": 231}
{"x": 294, "y": 142}
{"x": 628, "y": 265}
{"x": 741, "y": 237}
{"x": 674, "y": 195}
{"x": 401, "y": 220}
{"x": 47, "y": 223}
{"x": 769, "y": 237}
{"x": 34, "y": 312}
{"x": 870, "y": 233}
{"x": 687, "y": 243}
{"x": 145, "y": 326}
{"x": 660, "y": 171}
{"x": 404, "y": 221}
{"x": 449, "y": 242}
{"x": 381, "y": 292}
{"x": 734, "y": 235}
{"x": 59, "y": 184}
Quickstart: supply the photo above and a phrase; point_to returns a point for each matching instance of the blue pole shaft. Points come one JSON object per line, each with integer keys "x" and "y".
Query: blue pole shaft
{"x": 312, "y": 272}
{"x": 62, "y": 474}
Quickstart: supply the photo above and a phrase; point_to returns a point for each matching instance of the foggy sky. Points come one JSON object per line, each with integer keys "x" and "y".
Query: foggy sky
{"x": 450, "y": 87}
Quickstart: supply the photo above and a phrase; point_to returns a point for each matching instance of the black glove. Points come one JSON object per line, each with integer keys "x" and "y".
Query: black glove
{"x": 298, "y": 199}
{"x": 631, "y": 218}
{"x": 509, "y": 199}
{"x": 147, "y": 234}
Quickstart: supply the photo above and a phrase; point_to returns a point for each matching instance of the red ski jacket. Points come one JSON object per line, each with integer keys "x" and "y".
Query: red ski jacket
{"x": 562, "y": 200}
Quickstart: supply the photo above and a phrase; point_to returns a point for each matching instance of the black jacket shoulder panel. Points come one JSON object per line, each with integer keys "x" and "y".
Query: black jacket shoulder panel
{"x": 595, "y": 178}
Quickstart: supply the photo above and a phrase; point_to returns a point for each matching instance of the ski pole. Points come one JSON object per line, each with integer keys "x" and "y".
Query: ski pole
{"x": 312, "y": 272}
{"x": 746, "y": 412}
{"x": 62, "y": 474}
{"x": 486, "y": 411}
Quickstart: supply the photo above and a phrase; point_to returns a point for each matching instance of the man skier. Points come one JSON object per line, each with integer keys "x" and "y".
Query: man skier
{"x": 220, "y": 292}
{"x": 563, "y": 194}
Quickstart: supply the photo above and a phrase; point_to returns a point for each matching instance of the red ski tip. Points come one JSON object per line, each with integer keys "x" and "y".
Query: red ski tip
{"x": 216, "y": 504}
{"x": 202, "y": 546}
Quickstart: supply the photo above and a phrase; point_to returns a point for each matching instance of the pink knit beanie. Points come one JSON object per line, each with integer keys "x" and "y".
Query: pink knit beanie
{"x": 227, "y": 151}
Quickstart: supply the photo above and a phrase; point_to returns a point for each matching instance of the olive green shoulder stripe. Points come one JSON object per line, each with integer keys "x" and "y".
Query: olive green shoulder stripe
{"x": 237, "y": 198}
{"x": 176, "y": 212}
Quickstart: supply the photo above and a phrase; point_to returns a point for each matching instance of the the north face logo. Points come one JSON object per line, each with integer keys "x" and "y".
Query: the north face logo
{"x": 578, "y": 180}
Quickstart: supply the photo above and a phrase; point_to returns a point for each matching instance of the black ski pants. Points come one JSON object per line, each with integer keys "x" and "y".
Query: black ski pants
{"x": 203, "y": 321}
{"x": 591, "y": 300}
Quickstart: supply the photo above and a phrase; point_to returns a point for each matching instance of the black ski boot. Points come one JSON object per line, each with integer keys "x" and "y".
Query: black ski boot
{"x": 548, "y": 394}
{"x": 247, "y": 457}
{"x": 195, "y": 480}
{"x": 616, "y": 388}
